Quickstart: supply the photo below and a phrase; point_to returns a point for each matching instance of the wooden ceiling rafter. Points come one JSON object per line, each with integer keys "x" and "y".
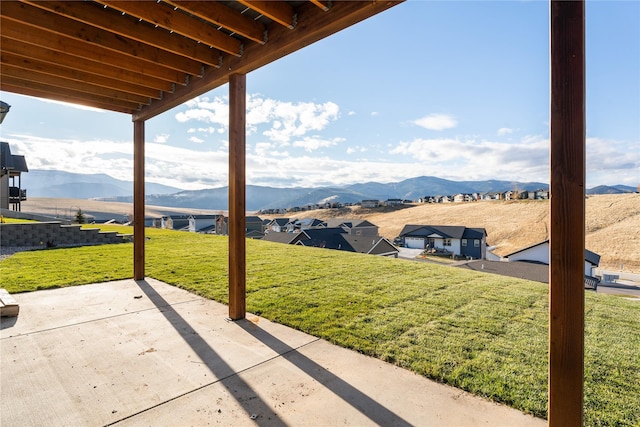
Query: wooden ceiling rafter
{"x": 221, "y": 15}
{"x": 38, "y": 77}
{"x": 21, "y": 32}
{"x": 93, "y": 69}
{"x": 40, "y": 90}
{"x": 64, "y": 73}
{"x": 280, "y": 12}
{"x": 97, "y": 38}
{"x": 175, "y": 20}
{"x": 133, "y": 28}
{"x": 158, "y": 53}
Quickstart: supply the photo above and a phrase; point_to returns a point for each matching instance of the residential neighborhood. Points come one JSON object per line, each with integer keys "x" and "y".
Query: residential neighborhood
{"x": 511, "y": 195}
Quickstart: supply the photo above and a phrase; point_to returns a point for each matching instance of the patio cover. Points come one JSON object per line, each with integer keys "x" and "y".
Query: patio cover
{"x": 146, "y": 57}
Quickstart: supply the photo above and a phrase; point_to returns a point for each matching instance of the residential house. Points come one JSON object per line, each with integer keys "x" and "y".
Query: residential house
{"x": 253, "y": 224}
{"x": 279, "y": 237}
{"x": 492, "y": 196}
{"x": 509, "y": 195}
{"x": 307, "y": 223}
{"x": 458, "y": 240}
{"x": 201, "y": 223}
{"x": 540, "y": 253}
{"x": 394, "y": 202}
{"x": 532, "y": 263}
{"x": 355, "y": 227}
{"x": 370, "y": 203}
{"x": 338, "y": 239}
{"x": 175, "y": 222}
{"x": 542, "y": 194}
{"x": 11, "y": 167}
{"x": 278, "y": 225}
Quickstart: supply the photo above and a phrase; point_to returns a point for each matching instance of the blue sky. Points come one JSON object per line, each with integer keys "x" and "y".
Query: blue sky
{"x": 457, "y": 90}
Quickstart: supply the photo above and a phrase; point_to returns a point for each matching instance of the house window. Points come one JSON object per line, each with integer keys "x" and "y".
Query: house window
{"x": 447, "y": 242}
{"x": 464, "y": 242}
{"x": 476, "y": 243}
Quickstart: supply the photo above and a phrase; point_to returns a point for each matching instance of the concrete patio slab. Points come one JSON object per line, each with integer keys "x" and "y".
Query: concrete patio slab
{"x": 147, "y": 353}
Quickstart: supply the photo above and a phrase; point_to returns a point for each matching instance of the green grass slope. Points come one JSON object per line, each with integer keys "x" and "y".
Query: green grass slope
{"x": 483, "y": 333}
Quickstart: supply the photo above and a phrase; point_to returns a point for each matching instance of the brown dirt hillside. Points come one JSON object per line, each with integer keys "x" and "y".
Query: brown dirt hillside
{"x": 612, "y": 223}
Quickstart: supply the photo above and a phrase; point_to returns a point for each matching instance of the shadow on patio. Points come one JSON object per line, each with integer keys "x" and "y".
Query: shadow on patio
{"x": 147, "y": 353}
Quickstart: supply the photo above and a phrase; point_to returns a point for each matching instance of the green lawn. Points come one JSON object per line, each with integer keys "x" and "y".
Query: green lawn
{"x": 483, "y": 333}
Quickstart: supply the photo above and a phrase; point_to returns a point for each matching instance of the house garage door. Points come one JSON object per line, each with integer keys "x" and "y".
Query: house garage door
{"x": 414, "y": 242}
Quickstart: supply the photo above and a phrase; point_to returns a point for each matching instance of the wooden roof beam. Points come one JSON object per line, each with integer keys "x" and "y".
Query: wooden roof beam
{"x": 32, "y": 52}
{"x": 223, "y": 16}
{"x": 94, "y": 38}
{"x": 74, "y": 74}
{"x": 31, "y": 35}
{"x": 69, "y": 84}
{"x": 113, "y": 21}
{"x": 164, "y": 16}
{"x": 15, "y": 85}
{"x": 278, "y": 11}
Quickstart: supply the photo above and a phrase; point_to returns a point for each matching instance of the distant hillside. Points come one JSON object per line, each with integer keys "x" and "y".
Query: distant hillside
{"x": 269, "y": 197}
{"x": 613, "y": 189}
{"x": 60, "y": 184}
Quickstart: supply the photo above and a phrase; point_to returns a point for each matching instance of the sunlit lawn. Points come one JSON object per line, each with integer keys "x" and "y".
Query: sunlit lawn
{"x": 483, "y": 333}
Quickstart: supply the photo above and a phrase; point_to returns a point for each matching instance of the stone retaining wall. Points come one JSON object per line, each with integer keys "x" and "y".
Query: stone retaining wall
{"x": 52, "y": 234}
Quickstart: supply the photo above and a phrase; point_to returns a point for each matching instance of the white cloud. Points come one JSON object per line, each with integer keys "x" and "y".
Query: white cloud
{"x": 196, "y": 140}
{"x": 351, "y": 113}
{"x": 277, "y": 120}
{"x": 437, "y": 122}
{"x": 472, "y": 159}
{"x": 161, "y": 138}
{"x": 314, "y": 143}
{"x": 504, "y": 131}
{"x": 356, "y": 149}
{"x": 374, "y": 113}
{"x": 202, "y": 109}
{"x": 612, "y": 162}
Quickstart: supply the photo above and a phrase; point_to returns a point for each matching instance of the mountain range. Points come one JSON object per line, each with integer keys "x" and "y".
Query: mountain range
{"x": 59, "y": 184}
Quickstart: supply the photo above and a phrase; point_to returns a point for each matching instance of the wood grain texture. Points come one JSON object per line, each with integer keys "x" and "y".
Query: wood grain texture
{"x": 567, "y": 214}
{"x": 138, "y": 200}
{"x": 237, "y": 196}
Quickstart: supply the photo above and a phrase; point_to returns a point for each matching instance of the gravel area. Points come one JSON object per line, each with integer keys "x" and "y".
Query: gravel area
{"x": 7, "y": 251}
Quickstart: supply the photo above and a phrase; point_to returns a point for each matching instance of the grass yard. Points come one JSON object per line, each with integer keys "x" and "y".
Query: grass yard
{"x": 483, "y": 333}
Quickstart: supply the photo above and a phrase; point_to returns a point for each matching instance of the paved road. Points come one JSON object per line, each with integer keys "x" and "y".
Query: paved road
{"x": 623, "y": 288}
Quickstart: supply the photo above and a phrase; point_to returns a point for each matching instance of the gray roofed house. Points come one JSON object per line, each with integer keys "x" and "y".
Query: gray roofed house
{"x": 454, "y": 239}
{"x": 336, "y": 238}
{"x": 278, "y": 225}
{"x": 359, "y": 227}
{"x": 279, "y": 237}
{"x": 307, "y": 223}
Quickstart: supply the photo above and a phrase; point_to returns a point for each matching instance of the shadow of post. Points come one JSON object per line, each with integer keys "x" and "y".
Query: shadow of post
{"x": 366, "y": 405}
{"x": 251, "y": 402}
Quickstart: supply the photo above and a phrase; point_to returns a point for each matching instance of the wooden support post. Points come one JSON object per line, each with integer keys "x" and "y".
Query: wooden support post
{"x": 567, "y": 235}
{"x": 237, "y": 197}
{"x": 138, "y": 200}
